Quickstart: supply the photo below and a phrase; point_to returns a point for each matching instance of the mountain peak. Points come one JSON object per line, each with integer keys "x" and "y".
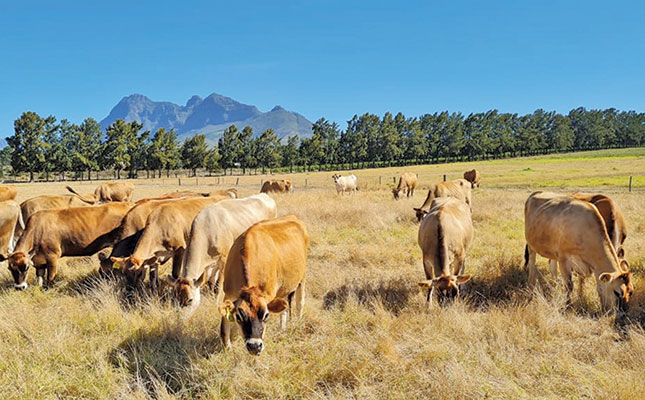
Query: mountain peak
{"x": 277, "y": 108}
{"x": 194, "y": 101}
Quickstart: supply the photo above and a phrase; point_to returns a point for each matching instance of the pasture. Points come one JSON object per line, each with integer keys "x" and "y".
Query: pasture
{"x": 365, "y": 332}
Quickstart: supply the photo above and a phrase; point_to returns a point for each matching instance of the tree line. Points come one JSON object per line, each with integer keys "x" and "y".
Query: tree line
{"x": 45, "y": 145}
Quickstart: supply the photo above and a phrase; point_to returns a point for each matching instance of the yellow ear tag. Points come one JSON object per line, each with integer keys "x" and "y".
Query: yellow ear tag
{"x": 229, "y": 315}
{"x": 116, "y": 265}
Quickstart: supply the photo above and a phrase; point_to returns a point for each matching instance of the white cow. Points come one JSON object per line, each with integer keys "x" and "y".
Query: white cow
{"x": 345, "y": 183}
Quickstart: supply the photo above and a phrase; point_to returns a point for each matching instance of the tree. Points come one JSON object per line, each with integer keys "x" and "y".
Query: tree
{"x": 246, "y": 156}
{"x": 164, "y": 151}
{"x": 389, "y": 140}
{"x": 268, "y": 150}
{"x": 559, "y": 137}
{"x": 27, "y": 145}
{"x": 229, "y": 148}
{"x": 212, "y": 160}
{"x": 414, "y": 141}
{"x": 120, "y": 144}
{"x": 61, "y": 141}
{"x": 86, "y": 147}
{"x": 290, "y": 152}
{"x": 353, "y": 142}
{"x": 194, "y": 152}
{"x": 139, "y": 151}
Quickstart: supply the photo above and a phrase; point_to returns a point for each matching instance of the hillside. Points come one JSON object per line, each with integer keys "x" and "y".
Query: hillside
{"x": 209, "y": 116}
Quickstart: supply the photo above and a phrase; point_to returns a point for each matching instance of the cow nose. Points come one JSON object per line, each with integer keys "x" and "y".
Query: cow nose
{"x": 21, "y": 286}
{"x": 255, "y": 346}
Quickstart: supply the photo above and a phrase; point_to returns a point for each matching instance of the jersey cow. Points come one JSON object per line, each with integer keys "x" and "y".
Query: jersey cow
{"x": 52, "y": 234}
{"x": 345, "y": 183}
{"x": 10, "y": 219}
{"x": 563, "y": 228}
{"x": 212, "y": 234}
{"x": 473, "y": 177}
{"x": 445, "y": 235}
{"x": 107, "y": 192}
{"x": 265, "y": 266}
{"x": 407, "y": 183}
{"x": 459, "y": 189}
{"x": 276, "y": 186}
{"x": 164, "y": 237}
{"x": 7, "y": 193}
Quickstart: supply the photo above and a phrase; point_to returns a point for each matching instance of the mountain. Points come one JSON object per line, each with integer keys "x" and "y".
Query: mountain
{"x": 209, "y": 116}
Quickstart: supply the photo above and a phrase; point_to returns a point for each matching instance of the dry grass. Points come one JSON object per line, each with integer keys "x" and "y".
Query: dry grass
{"x": 365, "y": 332}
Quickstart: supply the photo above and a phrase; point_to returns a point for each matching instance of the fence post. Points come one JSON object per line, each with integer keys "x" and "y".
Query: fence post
{"x": 305, "y": 182}
{"x": 444, "y": 177}
{"x": 238, "y": 181}
{"x": 630, "y": 184}
{"x": 379, "y": 180}
{"x": 394, "y": 179}
{"x": 179, "y": 179}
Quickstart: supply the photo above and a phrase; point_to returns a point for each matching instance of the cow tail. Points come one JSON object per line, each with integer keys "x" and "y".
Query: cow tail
{"x": 526, "y": 255}
{"x": 441, "y": 246}
{"x": 80, "y": 196}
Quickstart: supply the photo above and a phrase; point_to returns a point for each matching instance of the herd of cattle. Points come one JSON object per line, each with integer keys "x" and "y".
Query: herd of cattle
{"x": 256, "y": 261}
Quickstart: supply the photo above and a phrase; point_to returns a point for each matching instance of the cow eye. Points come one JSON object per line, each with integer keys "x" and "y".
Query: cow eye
{"x": 265, "y": 316}
{"x": 240, "y": 315}
{"x": 618, "y": 293}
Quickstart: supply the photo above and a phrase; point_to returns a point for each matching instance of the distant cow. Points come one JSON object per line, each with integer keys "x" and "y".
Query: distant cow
{"x": 445, "y": 235}
{"x": 7, "y": 192}
{"x": 164, "y": 236}
{"x": 51, "y": 234}
{"x": 562, "y": 228}
{"x": 276, "y": 186}
{"x": 212, "y": 234}
{"x": 407, "y": 183}
{"x": 473, "y": 177}
{"x": 345, "y": 183}
{"x": 10, "y": 218}
{"x": 107, "y": 192}
{"x": 232, "y": 192}
{"x": 459, "y": 189}
{"x": 265, "y": 270}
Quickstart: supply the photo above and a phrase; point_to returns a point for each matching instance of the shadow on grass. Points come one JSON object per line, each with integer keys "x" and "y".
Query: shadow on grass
{"x": 394, "y": 295}
{"x": 160, "y": 360}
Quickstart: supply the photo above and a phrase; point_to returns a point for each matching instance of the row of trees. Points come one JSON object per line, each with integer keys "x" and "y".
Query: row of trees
{"x": 45, "y": 145}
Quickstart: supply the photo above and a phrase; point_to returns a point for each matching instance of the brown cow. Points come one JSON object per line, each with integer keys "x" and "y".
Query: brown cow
{"x": 459, "y": 189}
{"x": 473, "y": 177}
{"x": 276, "y": 186}
{"x": 107, "y": 192}
{"x": 265, "y": 266}
{"x": 407, "y": 183}
{"x": 232, "y": 192}
{"x": 35, "y": 204}
{"x": 51, "y": 234}
{"x": 164, "y": 236}
{"x": 7, "y": 192}
{"x": 444, "y": 237}
{"x": 562, "y": 228}
{"x": 10, "y": 218}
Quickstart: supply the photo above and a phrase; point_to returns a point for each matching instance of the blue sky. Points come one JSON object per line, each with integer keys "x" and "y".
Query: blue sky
{"x": 322, "y": 58}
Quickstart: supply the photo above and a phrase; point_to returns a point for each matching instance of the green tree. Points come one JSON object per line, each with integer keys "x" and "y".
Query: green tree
{"x": 559, "y": 137}
{"x": 121, "y": 142}
{"x": 229, "y": 148}
{"x": 27, "y": 144}
{"x": 86, "y": 147}
{"x": 290, "y": 152}
{"x": 212, "y": 160}
{"x": 139, "y": 152}
{"x": 268, "y": 150}
{"x": 389, "y": 140}
{"x": 246, "y": 156}
{"x": 194, "y": 152}
{"x": 164, "y": 151}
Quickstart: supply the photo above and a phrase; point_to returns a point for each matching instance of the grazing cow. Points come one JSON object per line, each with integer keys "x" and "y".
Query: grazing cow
{"x": 212, "y": 234}
{"x": 407, "y": 183}
{"x": 473, "y": 177}
{"x": 164, "y": 237}
{"x": 232, "y": 192}
{"x": 266, "y": 264}
{"x": 562, "y": 228}
{"x": 10, "y": 218}
{"x": 51, "y": 234}
{"x": 345, "y": 183}
{"x": 35, "y": 204}
{"x": 129, "y": 232}
{"x": 107, "y": 192}
{"x": 7, "y": 192}
{"x": 459, "y": 189}
{"x": 444, "y": 237}
{"x": 276, "y": 186}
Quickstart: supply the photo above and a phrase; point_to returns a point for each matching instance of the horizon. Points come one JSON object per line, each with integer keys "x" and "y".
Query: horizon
{"x": 330, "y": 60}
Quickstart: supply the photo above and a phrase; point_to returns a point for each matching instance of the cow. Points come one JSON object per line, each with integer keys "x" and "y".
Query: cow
{"x": 473, "y": 177}
{"x": 107, "y": 192}
{"x": 563, "y": 228}
{"x": 407, "y": 183}
{"x": 459, "y": 189}
{"x": 276, "y": 186}
{"x": 10, "y": 218}
{"x": 52, "y": 234}
{"x": 232, "y": 192}
{"x": 35, "y": 204}
{"x": 7, "y": 192}
{"x": 212, "y": 234}
{"x": 445, "y": 234}
{"x": 345, "y": 183}
{"x": 164, "y": 237}
{"x": 265, "y": 266}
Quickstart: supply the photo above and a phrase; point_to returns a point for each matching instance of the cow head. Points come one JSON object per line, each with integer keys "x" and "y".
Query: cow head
{"x": 420, "y": 213}
{"x": 107, "y": 267}
{"x": 19, "y": 264}
{"x": 335, "y": 177}
{"x": 446, "y": 286}
{"x": 187, "y": 291}
{"x": 251, "y": 312}
{"x": 616, "y": 288}
{"x": 396, "y": 193}
{"x": 133, "y": 270}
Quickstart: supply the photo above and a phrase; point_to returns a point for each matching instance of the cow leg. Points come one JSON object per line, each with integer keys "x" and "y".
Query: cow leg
{"x": 553, "y": 266}
{"x": 225, "y": 333}
{"x": 581, "y": 286}
{"x": 283, "y": 319}
{"x": 300, "y": 299}
{"x": 567, "y": 278}
{"x": 176, "y": 262}
{"x": 40, "y": 275}
{"x": 531, "y": 266}
{"x": 153, "y": 277}
{"x": 52, "y": 267}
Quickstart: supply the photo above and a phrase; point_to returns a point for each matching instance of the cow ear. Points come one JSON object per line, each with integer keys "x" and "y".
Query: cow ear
{"x": 463, "y": 279}
{"x": 277, "y": 305}
{"x": 624, "y": 265}
{"x": 226, "y": 308}
{"x": 201, "y": 280}
{"x": 426, "y": 284}
{"x": 620, "y": 252}
{"x": 102, "y": 257}
{"x": 605, "y": 277}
